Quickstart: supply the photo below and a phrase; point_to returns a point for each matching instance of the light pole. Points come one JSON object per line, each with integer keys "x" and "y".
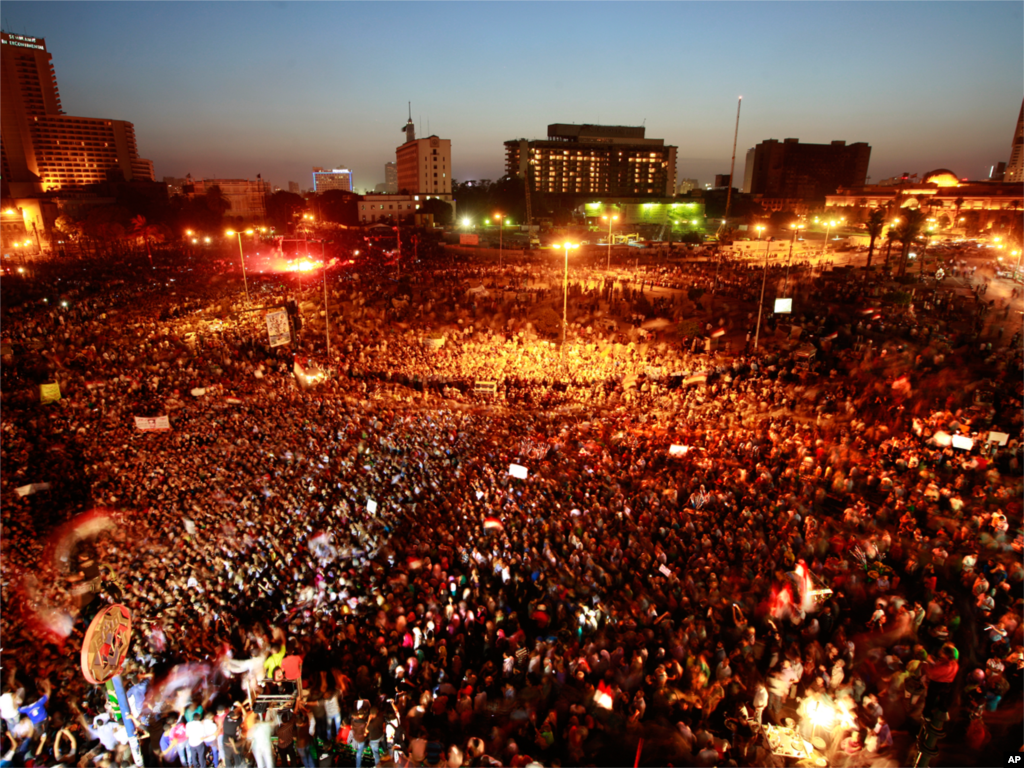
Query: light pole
{"x": 565, "y": 293}
{"x": 610, "y": 218}
{"x": 501, "y": 229}
{"x": 241, "y": 258}
{"x": 764, "y": 281}
{"x": 1016, "y": 270}
{"x": 796, "y": 228}
{"x": 327, "y": 313}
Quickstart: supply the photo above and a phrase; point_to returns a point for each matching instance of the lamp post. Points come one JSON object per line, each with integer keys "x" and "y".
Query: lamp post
{"x": 764, "y": 281}
{"x": 828, "y": 225}
{"x": 1016, "y": 270}
{"x": 500, "y": 217}
{"x": 609, "y": 218}
{"x": 241, "y": 258}
{"x": 327, "y": 313}
{"x": 796, "y": 228}
{"x": 565, "y": 293}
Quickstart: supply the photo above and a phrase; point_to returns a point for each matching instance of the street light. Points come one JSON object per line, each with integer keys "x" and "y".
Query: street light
{"x": 828, "y": 225}
{"x": 796, "y": 228}
{"x": 565, "y": 292}
{"x": 760, "y": 229}
{"x": 241, "y": 258}
{"x": 501, "y": 228}
{"x": 764, "y": 281}
{"x": 609, "y": 218}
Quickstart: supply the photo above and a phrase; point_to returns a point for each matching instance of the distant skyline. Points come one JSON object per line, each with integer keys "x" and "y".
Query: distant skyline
{"x": 236, "y": 89}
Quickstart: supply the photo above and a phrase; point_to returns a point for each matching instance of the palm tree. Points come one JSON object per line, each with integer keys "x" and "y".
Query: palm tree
{"x": 907, "y": 231}
{"x": 890, "y": 237}
{"x": 875, "y": 225}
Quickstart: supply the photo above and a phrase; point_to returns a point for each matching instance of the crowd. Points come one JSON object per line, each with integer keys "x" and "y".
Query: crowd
{"x": 708, "y": 549}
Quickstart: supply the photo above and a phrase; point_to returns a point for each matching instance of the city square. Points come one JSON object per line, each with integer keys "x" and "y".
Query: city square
{"x": 519, "y": 473}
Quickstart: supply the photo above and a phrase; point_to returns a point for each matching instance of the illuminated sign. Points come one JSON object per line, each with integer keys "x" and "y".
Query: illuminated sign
{"x": 21, "y": 41}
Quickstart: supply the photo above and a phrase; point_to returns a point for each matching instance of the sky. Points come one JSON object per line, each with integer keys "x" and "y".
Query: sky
{"x": 233, "y": 89}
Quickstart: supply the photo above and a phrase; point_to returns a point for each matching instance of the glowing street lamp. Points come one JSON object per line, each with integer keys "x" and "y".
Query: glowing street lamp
{"x": 241, "y": 258}
{"x": 565, "y": 291}
{"x": 609, "y": 218}
{"x": 466, "y": 222}
{"x": 760, "y": 230}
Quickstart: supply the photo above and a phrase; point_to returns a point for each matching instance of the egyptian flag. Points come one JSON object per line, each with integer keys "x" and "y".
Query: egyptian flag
{"x": 719, "y": 332}
{"x": 493, "y": 522}
{"x": 603, "y": 696}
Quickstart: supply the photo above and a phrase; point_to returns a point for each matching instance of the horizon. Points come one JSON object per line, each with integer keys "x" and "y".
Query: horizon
{"x": 280, "y": 88}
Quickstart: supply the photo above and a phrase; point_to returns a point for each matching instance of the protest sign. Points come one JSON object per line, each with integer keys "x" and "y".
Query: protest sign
{"x": 49, "y": 393}
{"x": 518, "y": 471}
{"x": 278, "y": 328}
{"x": 152, "y": 423}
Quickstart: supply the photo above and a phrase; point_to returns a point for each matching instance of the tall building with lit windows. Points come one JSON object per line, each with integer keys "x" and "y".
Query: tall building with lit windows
{"x": 42, "y": 148}
{"x": 425, "y": 166}
{"x": 332, "y": 178}
{"x": 588, "y": 160}
{"x": 1015, "y": 168}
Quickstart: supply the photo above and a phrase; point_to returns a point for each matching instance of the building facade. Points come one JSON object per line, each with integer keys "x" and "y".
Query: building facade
{"x": 43, "y": 149}
{"x": 970, "y": 206}
{"x": 337, "y": 178}
{"x": 424, "y": 166}
{"x": 587, "y": 160}
{"x": 1015, "y": 168}
{"x": 687, "y": 185}
{"x": 293, "y": 187}
{"x": 391, "y": 178}
{"x": 247, "y": 199}
{"x": 384, "y": 207}
{"x": 789, "y": 169}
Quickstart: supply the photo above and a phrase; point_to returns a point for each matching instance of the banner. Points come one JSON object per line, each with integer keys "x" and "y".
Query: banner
{"x": 469, "y": 239}
{"x": 49, "y": 393}
{"x": 517, "y": 470}
{"x": 278, "y": 328}
{"x": 151, "y": 423}
{"x": 28, "y": 490}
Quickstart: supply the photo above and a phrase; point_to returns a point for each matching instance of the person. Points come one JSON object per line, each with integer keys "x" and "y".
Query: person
{"x": 230, "y": 736}
{"x": 375, "y": 732}
{"x": 195, "y": 731}
{"x": 357, "y": 733}
{"x": 260, "y": 735}
{"x": 941, "y": 672}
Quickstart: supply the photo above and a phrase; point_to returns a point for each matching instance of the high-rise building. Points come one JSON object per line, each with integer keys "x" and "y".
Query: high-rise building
{"x": 338, "y": 178}
{"x": 588, "y": 160}
{"x": 748, "y": 170}
{"x": 390, "y": 178}
{"x": 424, "y": 166}
{"x": 42, "y": 148}
{"x": 791, "y": 170}
{"x": 293, "y": 187}
{"x": 1015, "y": 168}
{"x": 687, "y": 185}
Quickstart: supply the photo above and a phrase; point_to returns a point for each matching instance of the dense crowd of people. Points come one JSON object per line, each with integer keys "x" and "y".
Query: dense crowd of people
{"x": 713, "y": 544}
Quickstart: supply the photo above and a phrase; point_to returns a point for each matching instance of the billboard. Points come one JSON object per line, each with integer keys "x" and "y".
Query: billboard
{"x": 469, "y": 239}
{"x": 783, "y": 306}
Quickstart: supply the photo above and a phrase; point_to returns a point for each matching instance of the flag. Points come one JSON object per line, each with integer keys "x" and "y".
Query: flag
{"x": 832, "y": 336}
{"x": 603, "y": 696}
{"x": 414, "y": 563}
{"x": 493, "y": 522}
{"x": 719, "y": 332}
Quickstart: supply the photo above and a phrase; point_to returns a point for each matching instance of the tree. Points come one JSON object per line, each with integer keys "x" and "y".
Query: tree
{"x": 890, "y": 238}
{"x": 875, "y": 224}
{"x": 441, "y": 211}
{"x": 907, "y": 231}
{"x": 146, "y": 232}
{"x": 281, "y": 207}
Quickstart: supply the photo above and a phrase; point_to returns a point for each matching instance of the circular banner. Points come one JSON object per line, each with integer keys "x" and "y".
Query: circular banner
{"x": 106, "y": 644}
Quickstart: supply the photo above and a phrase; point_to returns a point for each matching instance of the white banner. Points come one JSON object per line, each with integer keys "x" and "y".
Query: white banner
{"x": 149, "y": 423}
{"x": 28, "y": 490}
{"x": 517, "y": 470}
{"x": 278, "y": 328}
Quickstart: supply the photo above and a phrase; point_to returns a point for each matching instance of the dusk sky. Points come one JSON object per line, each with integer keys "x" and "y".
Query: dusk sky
{"x": 232, "y": 89}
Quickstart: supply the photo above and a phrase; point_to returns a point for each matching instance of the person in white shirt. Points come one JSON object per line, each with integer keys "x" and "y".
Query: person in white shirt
{"x": 195, "y": 732}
